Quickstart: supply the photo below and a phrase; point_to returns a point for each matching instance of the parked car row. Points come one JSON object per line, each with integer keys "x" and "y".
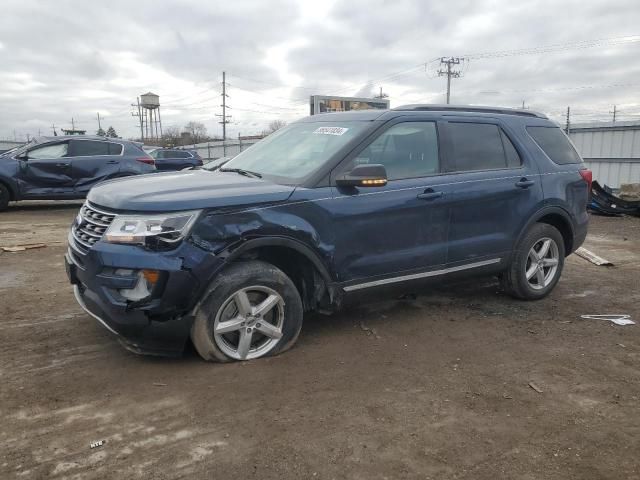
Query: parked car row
{"x": 67, "y": 167}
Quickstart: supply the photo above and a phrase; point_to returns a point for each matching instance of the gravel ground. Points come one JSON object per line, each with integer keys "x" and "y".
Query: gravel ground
{"x": 433, "y": 385}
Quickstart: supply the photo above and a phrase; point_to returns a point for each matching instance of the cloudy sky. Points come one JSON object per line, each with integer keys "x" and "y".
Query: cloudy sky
{"x": 62, "y": 59}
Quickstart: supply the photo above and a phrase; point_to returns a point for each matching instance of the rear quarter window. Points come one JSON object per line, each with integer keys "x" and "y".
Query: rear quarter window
{"x": 555, "y": 144}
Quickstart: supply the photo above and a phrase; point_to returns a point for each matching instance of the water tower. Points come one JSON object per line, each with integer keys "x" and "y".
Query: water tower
{"x": 150, "y": 120}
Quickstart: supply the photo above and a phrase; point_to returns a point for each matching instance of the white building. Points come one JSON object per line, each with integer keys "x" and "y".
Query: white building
{"x": 610, "y": 150}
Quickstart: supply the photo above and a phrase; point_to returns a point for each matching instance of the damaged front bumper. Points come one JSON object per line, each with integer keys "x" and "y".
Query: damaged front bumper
{"x": 159, "y": 324}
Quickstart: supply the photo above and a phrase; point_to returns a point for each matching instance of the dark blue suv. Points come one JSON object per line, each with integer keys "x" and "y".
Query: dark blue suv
{"x": 175, "y": 159}
{"x": 321, "y": 211}
{"x": 66, "y": 167}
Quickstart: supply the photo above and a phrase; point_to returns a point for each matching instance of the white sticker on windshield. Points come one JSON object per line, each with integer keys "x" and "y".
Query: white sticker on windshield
{"x": 330, "y": 130}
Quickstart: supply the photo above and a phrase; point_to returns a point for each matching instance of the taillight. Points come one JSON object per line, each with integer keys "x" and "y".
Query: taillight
{"x": 587, "y": 176}
{"x": 147, "y": 160}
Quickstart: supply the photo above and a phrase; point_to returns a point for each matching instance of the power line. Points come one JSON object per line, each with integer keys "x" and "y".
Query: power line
{"x": 599, "y": 42}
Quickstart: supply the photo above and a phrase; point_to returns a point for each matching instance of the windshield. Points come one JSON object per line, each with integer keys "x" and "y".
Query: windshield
{"x": 294, "y": 152}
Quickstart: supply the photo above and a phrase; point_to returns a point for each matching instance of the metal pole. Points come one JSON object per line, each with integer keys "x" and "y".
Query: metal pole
{"x": 141, "y": 121}
{"x": 224, "y": 106}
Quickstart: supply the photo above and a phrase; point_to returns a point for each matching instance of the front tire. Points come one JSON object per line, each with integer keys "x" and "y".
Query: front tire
{"x": 252, "y": 310}
{"x": 5, "y": 196}
{"x": 536, "y": 264}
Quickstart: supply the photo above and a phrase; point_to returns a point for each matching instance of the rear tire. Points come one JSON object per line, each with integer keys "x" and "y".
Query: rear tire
{"x": 5, "y": 196}
{"x": 536, "y": 264}
{"x": 252, "y": 310}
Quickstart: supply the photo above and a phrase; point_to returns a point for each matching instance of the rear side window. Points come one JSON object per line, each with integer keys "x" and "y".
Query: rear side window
{"x": 88, "y": 148}
{"x": 115, "y": 149}
{"x": 481, "y": 146}
{"x": 555, "y": 144}
{"x": 180, "y": 154}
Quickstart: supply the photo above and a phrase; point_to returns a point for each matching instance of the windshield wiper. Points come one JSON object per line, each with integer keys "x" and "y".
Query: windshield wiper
{"x": 246, "y": 173}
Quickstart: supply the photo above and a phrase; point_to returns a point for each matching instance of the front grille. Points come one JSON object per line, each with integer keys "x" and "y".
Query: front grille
{"x": 90, "y": 226}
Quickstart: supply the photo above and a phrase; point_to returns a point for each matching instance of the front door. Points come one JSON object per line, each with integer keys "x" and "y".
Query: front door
{"x": 45, "y": 171}
{"x": 386, "y": 233}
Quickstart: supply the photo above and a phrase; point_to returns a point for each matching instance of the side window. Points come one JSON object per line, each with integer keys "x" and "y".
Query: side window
{"x": 481, "y": 146}
{"x": 407, "y": 150}
{"x": 115, "y": 149}
{"x": 555, "y": 144}
{"x": 58, "y": 150}
{"x": 88, "y": 148}
{"x": 513, "y": 158}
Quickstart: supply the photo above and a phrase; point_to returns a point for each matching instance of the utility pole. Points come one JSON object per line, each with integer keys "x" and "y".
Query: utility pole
{"x": 449, "y": 73}
{"x": 225, "y": 117}
{"x": 73, "y": 125}
{"x": 568, "y": 125}
{"x": 381, "y": 95}
{"x": 140, "y": 118}
{"x": 53, "y": 127}
{"x": 615, "y": 111}
{"x": 99, "y": 126}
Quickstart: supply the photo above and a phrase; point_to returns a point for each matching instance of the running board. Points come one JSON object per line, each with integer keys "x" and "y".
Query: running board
{"x": 416, "y": 276}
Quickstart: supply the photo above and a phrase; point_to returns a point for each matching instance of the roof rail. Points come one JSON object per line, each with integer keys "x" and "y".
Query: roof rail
{"x": 468, "y": 108}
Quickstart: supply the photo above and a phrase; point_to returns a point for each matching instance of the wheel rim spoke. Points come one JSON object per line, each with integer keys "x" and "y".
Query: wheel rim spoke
{"x": 269, "y": 330}
{"x": 550, "y": 262}
{"x": 244, "y": 345}
{"x": 540, "y": 277}
{"x": 266, "y": 306}
{"x": 532, "y": 271}
{"x": 241, "y": 300}
{"x": 544, "y": 249}
{"x": 230, "y": 325}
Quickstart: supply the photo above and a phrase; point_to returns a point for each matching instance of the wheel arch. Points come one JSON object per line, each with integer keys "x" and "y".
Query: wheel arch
{"x": 13, "y": 190}
{"x": 556, "y": 217}
{"x": 304, "y": 266}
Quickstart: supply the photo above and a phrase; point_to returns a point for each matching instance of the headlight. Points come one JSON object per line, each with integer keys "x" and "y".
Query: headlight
{"x": 153, "y": 230}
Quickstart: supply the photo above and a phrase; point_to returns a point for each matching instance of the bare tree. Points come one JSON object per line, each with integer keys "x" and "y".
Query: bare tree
{"x": 171, "y": 136}
{"x": 274, "y": 125}
{"x": 197, "y": 131}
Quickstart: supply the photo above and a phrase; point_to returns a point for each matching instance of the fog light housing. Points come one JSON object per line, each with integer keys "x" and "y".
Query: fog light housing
{"x": 147, "y": 280}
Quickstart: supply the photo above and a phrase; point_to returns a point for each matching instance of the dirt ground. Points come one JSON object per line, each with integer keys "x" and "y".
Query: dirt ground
{"x": 431, "y": 387}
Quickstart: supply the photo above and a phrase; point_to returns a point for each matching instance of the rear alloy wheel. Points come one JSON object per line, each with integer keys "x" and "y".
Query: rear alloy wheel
{"x": 542, "y": 263}
{"x": 536, "y": 264}
{"x": 252, "y": 310}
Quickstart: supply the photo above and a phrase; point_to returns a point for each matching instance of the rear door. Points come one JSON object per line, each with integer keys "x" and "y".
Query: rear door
{"x": 495, "y": 187}
{"x": 46, "y": 171}
{"x": 93, "y": 161}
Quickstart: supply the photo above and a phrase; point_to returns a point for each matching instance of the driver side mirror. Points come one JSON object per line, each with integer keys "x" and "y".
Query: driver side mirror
{"x": 23, "y": 156}
{"x": 364, "y": 175}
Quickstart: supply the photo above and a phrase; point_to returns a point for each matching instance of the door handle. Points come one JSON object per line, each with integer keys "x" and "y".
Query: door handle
{"x": 429, "y": 194}
{"x": 65, "y": 165}
{"x": 111, "y": 162}
{"x": 524, "y": 183}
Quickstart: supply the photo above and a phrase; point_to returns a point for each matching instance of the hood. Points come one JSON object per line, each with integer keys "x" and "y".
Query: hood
{"x": 187, "y": 190}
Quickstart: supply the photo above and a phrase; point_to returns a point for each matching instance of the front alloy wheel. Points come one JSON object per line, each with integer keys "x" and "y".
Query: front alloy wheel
{"x": 249, "y": 323}
{"x": 251, "y": 310}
